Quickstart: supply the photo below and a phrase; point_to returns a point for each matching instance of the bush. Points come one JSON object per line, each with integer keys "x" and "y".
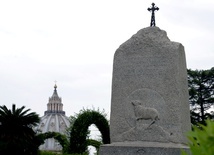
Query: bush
{"x": 48, "y": 153}
{"x": 57, "y": 153}
{"x": 202, "y": 139}
{"x": 79, "y": 131}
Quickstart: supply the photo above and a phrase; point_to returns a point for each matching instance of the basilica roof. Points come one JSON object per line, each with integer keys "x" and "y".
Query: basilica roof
{"x": 54, "y": 120}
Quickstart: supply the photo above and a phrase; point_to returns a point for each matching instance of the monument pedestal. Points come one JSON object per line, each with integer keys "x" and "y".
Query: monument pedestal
{"x": 142, "y": 148}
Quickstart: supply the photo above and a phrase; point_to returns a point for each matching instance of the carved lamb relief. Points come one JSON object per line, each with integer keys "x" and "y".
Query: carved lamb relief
{"x": 145, "y": 113}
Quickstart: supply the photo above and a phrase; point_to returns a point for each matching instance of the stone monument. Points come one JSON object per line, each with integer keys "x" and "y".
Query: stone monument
{"x": 149, "y": 106}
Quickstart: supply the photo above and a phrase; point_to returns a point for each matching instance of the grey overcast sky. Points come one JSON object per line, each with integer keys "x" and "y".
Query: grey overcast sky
{"x": 73, "y": 42}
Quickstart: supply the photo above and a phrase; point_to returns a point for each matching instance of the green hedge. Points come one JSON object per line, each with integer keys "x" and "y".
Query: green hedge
{"x": 55, "y": 153}
{"x": 79, "y": 131}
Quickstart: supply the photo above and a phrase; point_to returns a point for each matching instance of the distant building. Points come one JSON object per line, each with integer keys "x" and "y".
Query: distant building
{"x": 54, "y": 120}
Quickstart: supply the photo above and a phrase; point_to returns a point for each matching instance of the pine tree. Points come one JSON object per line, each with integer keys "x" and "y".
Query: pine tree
{"x": 201, "y": 94}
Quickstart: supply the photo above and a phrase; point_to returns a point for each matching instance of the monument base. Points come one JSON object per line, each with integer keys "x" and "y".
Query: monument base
{"x": 142, "y": 148}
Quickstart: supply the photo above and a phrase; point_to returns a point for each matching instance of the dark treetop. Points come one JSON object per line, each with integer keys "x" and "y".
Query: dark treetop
{"x": 153, "y": 8}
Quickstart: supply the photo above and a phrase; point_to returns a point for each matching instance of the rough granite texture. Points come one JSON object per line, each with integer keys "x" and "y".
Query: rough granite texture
{"x": 151, "y": 69}
{"x": 140, "y": 148}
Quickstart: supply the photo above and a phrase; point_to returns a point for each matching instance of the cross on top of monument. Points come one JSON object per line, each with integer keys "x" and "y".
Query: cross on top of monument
{"x": 153, "y": 8}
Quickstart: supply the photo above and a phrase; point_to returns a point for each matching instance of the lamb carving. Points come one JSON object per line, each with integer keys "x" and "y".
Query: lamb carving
{"x": 145, "y": 113}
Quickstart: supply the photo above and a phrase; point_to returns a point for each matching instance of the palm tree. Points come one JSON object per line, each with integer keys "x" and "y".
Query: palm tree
{"x": 16, "y": 131}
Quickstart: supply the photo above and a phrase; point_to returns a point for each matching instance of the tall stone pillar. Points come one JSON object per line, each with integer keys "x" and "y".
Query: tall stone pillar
{"x": 149, "y": 106}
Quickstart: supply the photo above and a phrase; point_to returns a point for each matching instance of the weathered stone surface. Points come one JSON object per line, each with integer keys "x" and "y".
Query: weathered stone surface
{"x": 150, "y": 69}
{"x": 142, "y": 148}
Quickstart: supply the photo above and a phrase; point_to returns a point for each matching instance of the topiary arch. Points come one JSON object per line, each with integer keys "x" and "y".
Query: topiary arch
{"x": 79, "y": 131}
{"x": 59, "y": 137}
{"x": 94, "y": 143}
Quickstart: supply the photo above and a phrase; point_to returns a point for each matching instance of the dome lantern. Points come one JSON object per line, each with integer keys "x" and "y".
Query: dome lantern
{"x": 55, "y": 103}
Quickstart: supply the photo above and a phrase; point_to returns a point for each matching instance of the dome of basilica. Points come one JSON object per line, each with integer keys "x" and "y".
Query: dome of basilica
{"x": 54, "y": 120}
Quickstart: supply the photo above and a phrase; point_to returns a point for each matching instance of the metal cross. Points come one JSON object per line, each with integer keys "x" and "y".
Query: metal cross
{"x": 153, "y": 8}
{"x": 55, "y": 86}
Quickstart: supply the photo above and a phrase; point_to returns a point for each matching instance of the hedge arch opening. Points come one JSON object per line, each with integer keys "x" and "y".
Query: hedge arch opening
{"x": 57, "y": 136}
{"x": 79, "y": 131}
{"x": 96, "y": 144}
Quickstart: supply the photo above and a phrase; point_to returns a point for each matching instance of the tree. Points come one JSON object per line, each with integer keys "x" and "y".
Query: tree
{"x": 201, "y": 94}
{"x": 17, "y": 136}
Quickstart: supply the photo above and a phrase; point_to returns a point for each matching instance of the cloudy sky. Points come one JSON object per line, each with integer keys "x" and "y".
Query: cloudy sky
{"x": 73, "y": 42}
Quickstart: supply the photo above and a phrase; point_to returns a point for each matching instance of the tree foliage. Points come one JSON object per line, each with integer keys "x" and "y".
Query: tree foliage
{"x": 16, "y": 131}
{"x": 79, "y": 131}
{"x": 201, "y": 94}
{"x": 201, "y": 140}
{"x": 18, "y": 137}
